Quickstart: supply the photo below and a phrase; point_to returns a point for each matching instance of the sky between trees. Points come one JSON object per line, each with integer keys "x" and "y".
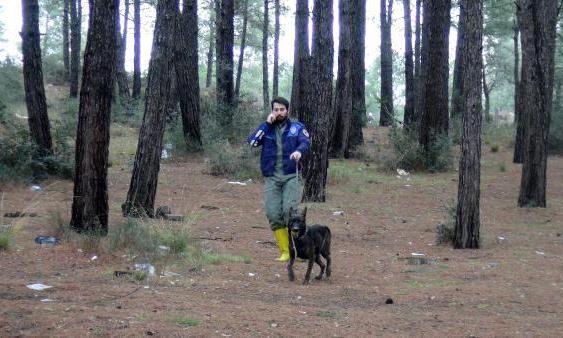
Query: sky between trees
{"x": 10, "y": 15}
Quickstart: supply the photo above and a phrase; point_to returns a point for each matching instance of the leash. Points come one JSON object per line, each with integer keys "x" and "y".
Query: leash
{"x": 294, "y": 247}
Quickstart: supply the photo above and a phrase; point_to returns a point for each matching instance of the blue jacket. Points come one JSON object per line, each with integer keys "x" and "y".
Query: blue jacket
{"x": 294, "y": 138}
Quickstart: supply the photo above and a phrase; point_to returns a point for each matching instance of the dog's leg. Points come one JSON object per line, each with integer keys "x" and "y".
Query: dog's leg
{"x": 290, "y": 273}
{"x": 308, "y": 274}
{"x": 328, "y": 261}
{"x": 320, "y": 263}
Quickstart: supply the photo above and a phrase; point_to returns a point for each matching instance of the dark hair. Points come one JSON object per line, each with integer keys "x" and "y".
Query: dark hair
{"x": 280, "y": 100}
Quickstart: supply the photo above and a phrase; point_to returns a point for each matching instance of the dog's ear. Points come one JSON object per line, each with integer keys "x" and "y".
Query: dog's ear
{"x": 304, "y": 213}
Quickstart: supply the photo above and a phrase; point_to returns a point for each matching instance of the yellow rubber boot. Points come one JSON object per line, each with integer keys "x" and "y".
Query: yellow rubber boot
{"x": 282, "y": 238}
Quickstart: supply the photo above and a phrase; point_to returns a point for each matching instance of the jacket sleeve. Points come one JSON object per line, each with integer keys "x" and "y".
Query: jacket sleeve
{"x": 304, "y": 141}
{"x": 255, "y": 139}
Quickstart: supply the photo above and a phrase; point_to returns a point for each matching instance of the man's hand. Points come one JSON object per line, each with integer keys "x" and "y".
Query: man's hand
{"x": 296, "y": 156}
{"x": 271, "y": 118}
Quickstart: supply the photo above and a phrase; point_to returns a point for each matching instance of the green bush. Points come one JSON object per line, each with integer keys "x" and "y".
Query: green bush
{"x": 223, "y": 159}
{"x": 494, "y": 148}
{"x": 11, "y": 84}
{"x": 19, "y": 159}
{"x": 408, "y": 154}
{"x": 6, "y": 239}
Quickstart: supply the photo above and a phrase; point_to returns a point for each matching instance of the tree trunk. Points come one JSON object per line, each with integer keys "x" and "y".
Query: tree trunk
{"x": 386, "y": 115}
{"x": 301, "y": 57}
{"x": 90, "y": 203}
{"x": 125, "y": 28}
{"x": 434, "y": 67}
{"x": 409, "y": 67}
{"x": 187, "y": 74}
{"x": 137, "y": 49}
{"x": 38, "y": 119}
{"x": 121, "y": 74}
{"x": 265, "y": 90}
{"x": 537, "y": 21}
{"x": 242, "y": 47}
{"x": 158, "y": 97}
{"x": 224, "y": 52}
{"x": 457, "y": 88}
{"x": 276, "y": 71}
{"x": 75, "y": 33}
{"x": 417, "y": 67}
{"x": 358, "y": 76}
{"x": 487, "y": 93}
{"x": 466, "y": 232}
{"x": 316, "y": 164}
{"x": 343, "y": 106}
{"x": 210, "y": 51}
{"x": 519, "y": 142}
{"x": 66, "y": 42}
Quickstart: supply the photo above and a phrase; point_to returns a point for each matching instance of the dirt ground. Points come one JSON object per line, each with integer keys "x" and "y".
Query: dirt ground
{"x": 512, "y": 286}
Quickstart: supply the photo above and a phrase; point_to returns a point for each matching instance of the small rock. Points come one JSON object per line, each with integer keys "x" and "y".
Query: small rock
{"x": 162, "y": 211}
{"x": 274, "y": 325}
{"x": 174, "y": 218}
{"x": 149, "y": 333}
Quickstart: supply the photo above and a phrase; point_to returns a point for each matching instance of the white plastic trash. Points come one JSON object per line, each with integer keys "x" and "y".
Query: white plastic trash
{"x": 38, "y": 287}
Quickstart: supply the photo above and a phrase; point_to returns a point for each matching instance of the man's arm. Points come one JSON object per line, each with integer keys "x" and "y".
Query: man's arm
{"x": 304, "y": 141}
{"x": 255, "y": 139}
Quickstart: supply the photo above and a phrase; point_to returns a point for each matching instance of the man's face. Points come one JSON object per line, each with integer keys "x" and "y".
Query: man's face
{"x": 279, "y": 111}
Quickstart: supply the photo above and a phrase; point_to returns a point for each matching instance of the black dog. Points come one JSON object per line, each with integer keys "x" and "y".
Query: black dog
{"x": 308, "y": 242}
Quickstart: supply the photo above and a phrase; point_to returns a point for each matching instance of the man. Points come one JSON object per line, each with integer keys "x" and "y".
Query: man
{"x": 283, "y": 143}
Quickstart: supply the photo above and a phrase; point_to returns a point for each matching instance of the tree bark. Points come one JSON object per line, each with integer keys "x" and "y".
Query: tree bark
{"x": 466, "y": 232}
{"x": 242, "y": 47}
{"x": 386, "y": 114}
{"x": 38, "y": 119}
{"x": 210, "y": 51}
{"x": 487, "y": 92}
{"x": 318, "y": 121}
{"x": 519, "y": 141}
{"x": 537, "y": 21}
{"x": 265, "y": 32}
{"x": 299, "y": 89}
{"x": 357, "y": 60}
{"x": 75, "y": 33}
{"x": 339, "y": 141}
{"x": 158, "y": 97}
{"x": 276, "y": 71}
{"x": 121, "y": 74}
{"x": 224, "y": 52}
{"x": 457, "y": 88}
{"x": 409, "y": 67}
{"x": 435, "y": 69}
{"x": 66, "y": 42}
{"x": 417, "y": 67}
{"x": 90, "y": 203}
{"x": 125, "y": 27}
{"x": 136, "y": 49}
{"x": 187, "y": 74}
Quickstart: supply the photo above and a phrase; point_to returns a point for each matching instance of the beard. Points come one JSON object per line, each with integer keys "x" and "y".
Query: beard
{"x": 280, "y": 119}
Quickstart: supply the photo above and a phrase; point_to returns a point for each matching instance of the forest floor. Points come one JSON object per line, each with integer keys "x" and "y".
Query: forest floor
{"x": 512, "y": 286}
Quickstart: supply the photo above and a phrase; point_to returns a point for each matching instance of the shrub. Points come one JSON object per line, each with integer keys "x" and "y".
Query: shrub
{"x": 409, "y": 154}
{"x": 494, "y": 148}
{"x": 502, "y": 167}
{"x": 6, "y": 239}
{"x": 445, "y": 231}
{"x": 223, "y": 159}
{"x": 19, "y": 159}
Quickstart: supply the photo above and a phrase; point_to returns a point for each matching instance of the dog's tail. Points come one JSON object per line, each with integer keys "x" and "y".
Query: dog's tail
{"x": 325, "y": 247}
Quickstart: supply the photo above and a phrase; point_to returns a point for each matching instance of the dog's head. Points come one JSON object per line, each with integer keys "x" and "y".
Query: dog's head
{"x": 297, "y": 222}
